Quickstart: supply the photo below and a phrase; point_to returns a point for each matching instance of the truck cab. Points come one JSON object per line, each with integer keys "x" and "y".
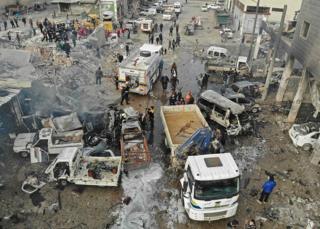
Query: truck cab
{"x": 210, "y": 187}
{"x": 48, "y": 140}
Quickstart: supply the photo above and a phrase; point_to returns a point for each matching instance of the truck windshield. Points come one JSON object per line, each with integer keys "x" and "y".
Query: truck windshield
{"x": 212, "y": 190}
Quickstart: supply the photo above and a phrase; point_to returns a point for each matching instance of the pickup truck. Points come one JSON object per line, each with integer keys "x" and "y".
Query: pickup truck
{"x": 219, "y": 64}
{"x": 180, "y": 123}
{"x": 134, "y": 146}
{"x": 70, "y": 166}
{"x": 48, "y": 140}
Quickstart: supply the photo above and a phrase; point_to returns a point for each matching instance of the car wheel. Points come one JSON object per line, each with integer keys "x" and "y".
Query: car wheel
{"x": 307, "y": 147}
{"x": 24, "y": 154}
{"x": 63, "y": 182}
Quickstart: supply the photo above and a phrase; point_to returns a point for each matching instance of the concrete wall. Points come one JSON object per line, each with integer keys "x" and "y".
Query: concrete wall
{"x": 307, "y": 50}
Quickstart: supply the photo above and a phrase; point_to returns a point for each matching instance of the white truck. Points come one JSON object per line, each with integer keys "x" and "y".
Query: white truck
{"x": 141, "y": 69}
{"x": 180, "y": 123}
{"x": 210, "y": 187}
{"x": 146, "y": 25}
{"x": 168, "y": 12}
{"x": 48, "y": 140}
{"x": 70, "y": 166}
{"x": 177, "y": 7}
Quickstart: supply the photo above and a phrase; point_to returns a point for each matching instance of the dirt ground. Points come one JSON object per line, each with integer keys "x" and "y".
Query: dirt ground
{"x": 155, "y": 191}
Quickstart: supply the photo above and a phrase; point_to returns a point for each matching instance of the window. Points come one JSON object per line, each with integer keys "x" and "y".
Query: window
{"x": 277, "y": 10}
{"x": 305, "y": 29}
{"x": 315, "y": 136}
{"x": 261, "y": 10}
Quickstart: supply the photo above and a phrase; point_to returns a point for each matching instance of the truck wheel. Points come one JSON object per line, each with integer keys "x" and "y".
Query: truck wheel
{"x": 307, "y": 147}
{"x": 24, "y": 154}
{"x": 63, "y": 182}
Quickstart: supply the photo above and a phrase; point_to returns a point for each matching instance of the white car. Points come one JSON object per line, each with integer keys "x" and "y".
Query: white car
{"x": 213, "y": 7}
{"x": 204, "y": 8}
{"x": 167, "y": 16}
{"x": 140, "y": 20}
{"x": 305, "y": 135}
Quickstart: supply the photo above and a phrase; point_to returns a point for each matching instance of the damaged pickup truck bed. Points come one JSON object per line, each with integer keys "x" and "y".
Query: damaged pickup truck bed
{"x": 134, "y": 147}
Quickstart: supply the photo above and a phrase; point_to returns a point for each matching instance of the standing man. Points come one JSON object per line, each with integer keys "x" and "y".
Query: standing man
{"x": 174, "y": 82}
{"x": 9, "y": 35}
{"x": 125, "y": 94}
{"x": 173, "y": 45}
{"x": 127, "y": 49}
{"x": 24, "y": 20}
{"x": 74, "y": 37}
{"x": 99, "y": 75}
{"x": 174, "y": 69}
{"x": 204, "y": 83}
{"x": 160, "y": 38}
{"x": 170, "y": 30}
{"x": 267, "y": 189}
{"x": 161, "y": 67}
{"x": 16, "y": 21}
{"x": 5, "y": 24}
{"x": 177, "y": 28}
{"x": 157, "y": 40}
{"x": 161, "y": 27}
{"x": 31, "y": 22}
{"x": 12, "y": 23}
{"x": 18, "y": 38}
{"x": 164, "y": 82}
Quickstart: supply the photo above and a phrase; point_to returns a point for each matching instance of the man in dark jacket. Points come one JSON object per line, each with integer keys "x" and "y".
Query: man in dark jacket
{"x": 99, "y": 75}
{"x": 164, "y": 82}
{"x": 267, "y": 188}
{"x": 125, "y": 94}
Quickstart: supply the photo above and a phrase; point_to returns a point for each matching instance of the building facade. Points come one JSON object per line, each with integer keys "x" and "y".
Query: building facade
{"x": 244, "y": 12}
{"x": 305, "y": 49}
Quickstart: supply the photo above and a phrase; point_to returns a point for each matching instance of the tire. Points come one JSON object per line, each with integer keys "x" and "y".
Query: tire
{"x": 63, "y": 183}
{"x": 307, "y": 147}
{"x": 24, "y": 154}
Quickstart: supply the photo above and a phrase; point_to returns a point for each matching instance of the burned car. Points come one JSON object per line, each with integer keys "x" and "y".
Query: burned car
{"x": 248, "y": 103}
{"x": 249, "y": 89}
{"x": 223, "y": 111}
{"x": 305, "y": 135}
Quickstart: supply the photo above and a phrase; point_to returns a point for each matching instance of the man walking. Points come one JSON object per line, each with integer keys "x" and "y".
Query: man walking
{"x": 267, "y": 189}
{"x": 99, "y": 75}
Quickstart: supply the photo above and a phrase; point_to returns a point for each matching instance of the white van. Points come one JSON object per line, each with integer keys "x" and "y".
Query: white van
{"x": 146, "y": 25}
{"x": 217, "y": 52}
{"x": 177, "y": 7}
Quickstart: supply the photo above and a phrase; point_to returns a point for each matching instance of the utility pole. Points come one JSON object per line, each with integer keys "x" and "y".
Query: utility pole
{"x": 275, "y": 49}
{"x": 252, "y": 35}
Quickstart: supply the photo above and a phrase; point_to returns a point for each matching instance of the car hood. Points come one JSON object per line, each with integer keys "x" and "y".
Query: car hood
{"x": 22, "y": 140}
{"x": 306, "y": 128}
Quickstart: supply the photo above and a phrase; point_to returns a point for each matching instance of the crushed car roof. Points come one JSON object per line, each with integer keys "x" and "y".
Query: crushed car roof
{"x": 222, "y": 101}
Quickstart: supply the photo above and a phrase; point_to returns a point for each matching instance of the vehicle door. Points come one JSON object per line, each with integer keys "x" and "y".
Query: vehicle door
{"x": 219, "y": 115}
{"x": 43, "y": 144}
{"x": 38, "y": 155}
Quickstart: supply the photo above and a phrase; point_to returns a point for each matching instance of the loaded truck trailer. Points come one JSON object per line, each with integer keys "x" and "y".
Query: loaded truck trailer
{"x": 180, "y": 123}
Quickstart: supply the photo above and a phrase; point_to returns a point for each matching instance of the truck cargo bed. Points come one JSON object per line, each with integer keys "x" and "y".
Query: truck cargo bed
{"x": 180, "y": 123}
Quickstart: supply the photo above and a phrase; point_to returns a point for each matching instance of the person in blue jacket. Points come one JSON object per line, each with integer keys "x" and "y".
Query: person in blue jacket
{"x": 267, "y": 188}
